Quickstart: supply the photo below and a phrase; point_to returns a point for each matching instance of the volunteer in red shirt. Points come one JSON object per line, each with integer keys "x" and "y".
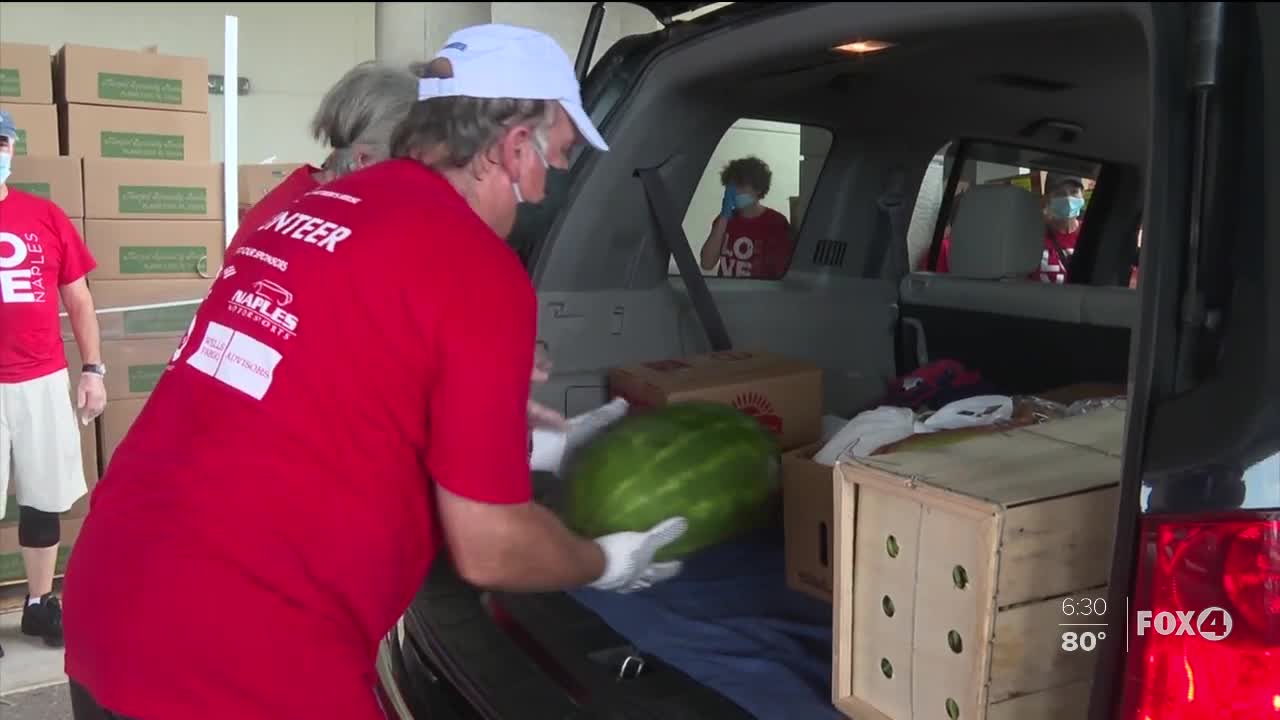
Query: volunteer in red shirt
{"x": 355, "y": 120}
{"x": 747, "y": 239}
{"x": 42, "y": 259}
{"x": 1063, "y": 206}
{"x": 350, "y": 400}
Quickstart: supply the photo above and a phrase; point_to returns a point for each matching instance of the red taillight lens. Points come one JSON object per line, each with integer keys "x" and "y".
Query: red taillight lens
{"x": 1191, "y": 564}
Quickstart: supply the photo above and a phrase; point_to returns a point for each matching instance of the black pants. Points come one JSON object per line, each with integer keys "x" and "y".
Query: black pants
{"x": 84, "y": 707}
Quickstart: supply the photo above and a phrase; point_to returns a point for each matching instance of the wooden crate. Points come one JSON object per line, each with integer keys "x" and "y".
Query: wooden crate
{"x": 951, "y": 576}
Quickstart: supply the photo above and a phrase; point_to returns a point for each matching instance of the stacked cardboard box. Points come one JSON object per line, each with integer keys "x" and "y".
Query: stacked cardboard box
{"x": 26, "y": 93}
{"x": 258, "y": 180}
{"x": 153, "y": 207}
{"x": 783, "y": 394}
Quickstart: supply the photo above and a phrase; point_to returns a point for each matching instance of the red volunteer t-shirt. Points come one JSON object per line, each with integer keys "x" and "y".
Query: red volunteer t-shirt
{"x": 40, "y": 252}
{"x": 1051, "y": 268}
{"x": 294, "y": 186}
{"x": 758, "y": 247}
{"x": 269, "y": 516}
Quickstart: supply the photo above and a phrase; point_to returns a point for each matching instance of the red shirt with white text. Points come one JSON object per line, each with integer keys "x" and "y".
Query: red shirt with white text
{"x": 40, "y": 252}
{"x": 269, "y": 516}
{"x": 300, "y": 181}
{"x": 756, "y": 247}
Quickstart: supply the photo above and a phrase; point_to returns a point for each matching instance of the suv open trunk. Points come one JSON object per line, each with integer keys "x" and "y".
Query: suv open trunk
{"x": 1105, "y": 85}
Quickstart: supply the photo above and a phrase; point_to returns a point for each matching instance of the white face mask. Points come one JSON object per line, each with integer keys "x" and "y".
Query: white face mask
{"x": 542, "y": 155}
{"x": 6, "y": 162}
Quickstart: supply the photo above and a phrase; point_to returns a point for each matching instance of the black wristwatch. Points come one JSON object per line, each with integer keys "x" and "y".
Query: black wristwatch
{"x": 96, "y": 368}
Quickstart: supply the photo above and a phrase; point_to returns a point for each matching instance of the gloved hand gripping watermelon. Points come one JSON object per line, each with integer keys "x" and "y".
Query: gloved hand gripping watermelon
{"x": 706, "y": 462}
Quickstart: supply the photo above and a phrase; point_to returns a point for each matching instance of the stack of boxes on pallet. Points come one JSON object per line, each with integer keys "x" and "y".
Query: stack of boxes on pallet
{"x": 120, "y": 140}
{"x": 153, "y": 207}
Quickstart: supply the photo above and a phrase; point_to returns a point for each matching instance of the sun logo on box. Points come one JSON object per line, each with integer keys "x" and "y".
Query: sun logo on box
{"x": 759, "y": 407}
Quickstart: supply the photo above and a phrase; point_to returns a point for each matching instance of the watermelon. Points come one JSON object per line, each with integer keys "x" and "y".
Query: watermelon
{"x": 707, "y": 462}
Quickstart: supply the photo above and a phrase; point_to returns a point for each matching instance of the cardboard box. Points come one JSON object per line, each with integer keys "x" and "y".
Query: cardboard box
{"x": 26, "y": 74}
{"x": 53, "y": 178}
{"x": 134, "y": 366}
{"x": 785, "y": 395}
{"x": 154, "y": 322}
{"x": 258, "y": 180}
{"x": 90, "y": 131}
{"x": 37, "y": 129}
{"x": 155, "y": 249}
{"x": 115, "y": 423}
{"x": 952, "y": 562}
{"x": 151, "y": 190}
{"x": 808, "y": 489}
{"x": 126, "y": 78}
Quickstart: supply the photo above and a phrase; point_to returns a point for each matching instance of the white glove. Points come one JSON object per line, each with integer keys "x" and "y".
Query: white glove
{"x": 629, "y": 564}
{"x": 550, "y": 446}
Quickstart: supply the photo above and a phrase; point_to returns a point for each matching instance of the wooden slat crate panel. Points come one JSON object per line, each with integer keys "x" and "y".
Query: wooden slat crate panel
{"x": 1068, "y": 702}
{"x": 1026, "y": 655}
{"x": 887, "y": 543}
{"x": 1058, "y": 547}
{"x": 954, "y": 581}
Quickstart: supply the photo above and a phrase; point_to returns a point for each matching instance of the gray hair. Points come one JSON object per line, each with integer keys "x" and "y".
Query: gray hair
{"x": 452, "y": 131}
{"x": 363, "y": 108}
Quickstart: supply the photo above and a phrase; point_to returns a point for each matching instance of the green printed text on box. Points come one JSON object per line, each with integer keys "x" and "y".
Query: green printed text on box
{"x": 162, "y": 199}
{"x": 143, "y": 146}
{"x": 159, "y": 320}
{"x": 163, "y": 260}
{"x": 10, "y": 82}
{"x": 44, "y": 190}
{"x": 143, "y": 378}
{"x": 139, "y": 88}
{"x": 21, "y": 147}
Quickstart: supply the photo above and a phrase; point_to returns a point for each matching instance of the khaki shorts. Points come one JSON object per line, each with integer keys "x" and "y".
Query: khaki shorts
{"x": 40, "y": 444}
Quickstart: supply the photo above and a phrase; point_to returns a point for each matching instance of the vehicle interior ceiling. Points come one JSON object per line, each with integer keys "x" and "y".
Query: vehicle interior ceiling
{"x": 983, "y": 72}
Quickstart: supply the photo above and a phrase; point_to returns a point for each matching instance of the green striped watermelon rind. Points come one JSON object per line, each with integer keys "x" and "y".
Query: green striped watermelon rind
{"x": 707, "y": 462}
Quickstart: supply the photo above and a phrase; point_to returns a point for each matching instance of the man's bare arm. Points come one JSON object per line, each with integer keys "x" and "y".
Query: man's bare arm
{"x": 516, "y": 548}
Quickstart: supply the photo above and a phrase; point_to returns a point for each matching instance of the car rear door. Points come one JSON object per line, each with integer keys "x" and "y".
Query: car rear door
{"x": 1193, "y": 612}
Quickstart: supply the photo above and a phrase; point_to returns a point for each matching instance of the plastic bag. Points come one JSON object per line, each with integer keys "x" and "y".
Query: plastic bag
{"x": 867, "y": 432}
{"x": 978, "y": 411}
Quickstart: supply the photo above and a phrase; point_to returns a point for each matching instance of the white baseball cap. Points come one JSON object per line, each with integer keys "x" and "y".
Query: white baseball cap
{"x": 504, "y": 61}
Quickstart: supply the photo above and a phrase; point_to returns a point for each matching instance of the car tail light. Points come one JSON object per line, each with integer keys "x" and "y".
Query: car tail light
{"x": 1180, "y": 666}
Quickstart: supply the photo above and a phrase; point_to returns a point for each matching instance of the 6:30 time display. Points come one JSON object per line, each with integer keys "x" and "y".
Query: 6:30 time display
{"x": 1084, "y": 607}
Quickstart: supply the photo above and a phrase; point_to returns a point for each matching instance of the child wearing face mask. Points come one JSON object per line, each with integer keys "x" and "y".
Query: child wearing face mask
{"x": 747, "y": 239}
{"x": 1063, "y": 207}
{"x": 1064, "y": 204}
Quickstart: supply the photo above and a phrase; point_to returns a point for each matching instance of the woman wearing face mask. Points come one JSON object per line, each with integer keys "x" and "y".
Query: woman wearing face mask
{"x": 1064, "y": 205}
{"x": 748, "y": 240}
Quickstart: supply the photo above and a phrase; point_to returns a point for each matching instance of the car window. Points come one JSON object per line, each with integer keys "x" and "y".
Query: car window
{"x": 1063, "y": 187}
{"x": 749, "y": 231}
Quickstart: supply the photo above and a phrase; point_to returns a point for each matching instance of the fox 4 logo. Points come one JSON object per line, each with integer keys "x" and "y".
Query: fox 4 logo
{"x": 1212, "y": 623}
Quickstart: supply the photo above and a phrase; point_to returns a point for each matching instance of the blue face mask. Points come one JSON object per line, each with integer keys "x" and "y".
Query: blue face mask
{"x": 6, "y": 161}
{"x": 744, "y": 200}
{"x": 1066, "y": 208}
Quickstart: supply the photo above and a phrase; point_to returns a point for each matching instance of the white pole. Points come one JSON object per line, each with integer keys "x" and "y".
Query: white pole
{"x": 231, "y": 127}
